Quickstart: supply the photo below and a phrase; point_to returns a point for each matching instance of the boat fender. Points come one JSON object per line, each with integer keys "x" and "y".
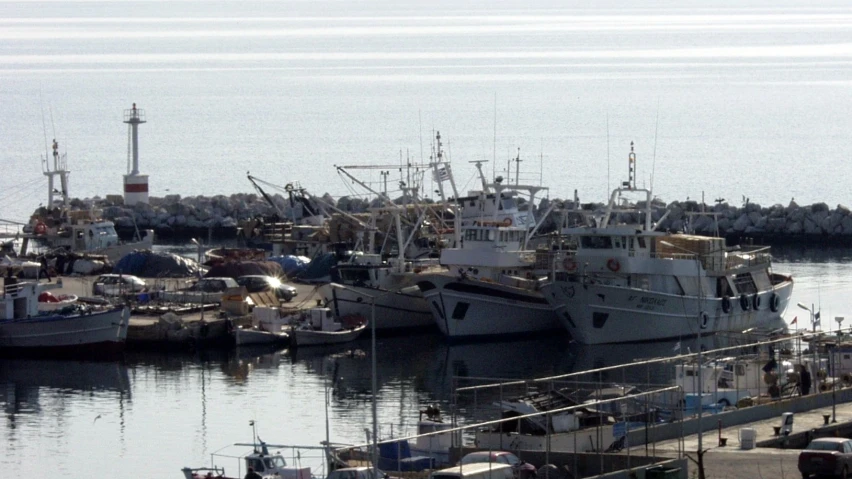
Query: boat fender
{"x": 40, "y": 228}
{"x": 726, "y": 304}
{"x": 613, "y": 265}
{"x": 744, "y": 303}
{"x": 755, "y": 301}
{"x": 569, "y": 264}
{"x": 774, "y": 303}
{"x": 704, "y": 320}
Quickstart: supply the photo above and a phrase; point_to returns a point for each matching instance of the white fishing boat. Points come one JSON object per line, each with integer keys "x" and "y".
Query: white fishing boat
{"x": 317, "y": 326}
{"x": 81, "y": 331}
{"x": 268, "y": 465}
{"x": 365, "y": 278}
{"x": 267, "y": 328}
{"x": 628, "y": 282}
{"x": 591, "y": 426}
{"x": 490, "y": 288}
{"x": 80, "y": 231}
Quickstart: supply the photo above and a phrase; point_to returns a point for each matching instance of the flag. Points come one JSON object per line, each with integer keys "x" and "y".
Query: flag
{"x": 794, "y": 321}
{"x": 676, "y": 346}
{"x": 816, "y": 319}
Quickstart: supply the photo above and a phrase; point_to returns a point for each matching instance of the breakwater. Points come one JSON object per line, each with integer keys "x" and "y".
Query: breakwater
{"x": 218, "y": 217}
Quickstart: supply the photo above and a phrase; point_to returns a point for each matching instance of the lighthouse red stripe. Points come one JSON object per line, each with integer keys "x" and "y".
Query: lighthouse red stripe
{"x": 136, "y": 188}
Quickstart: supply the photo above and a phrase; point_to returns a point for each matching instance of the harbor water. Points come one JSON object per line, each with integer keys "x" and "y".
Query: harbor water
{"x": 155, "y": 413}
{"x": 736, "y": 101}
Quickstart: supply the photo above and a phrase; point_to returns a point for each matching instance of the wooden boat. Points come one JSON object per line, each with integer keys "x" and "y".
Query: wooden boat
{"x": 317, "y": 326}
{"x": 79, "y": 331}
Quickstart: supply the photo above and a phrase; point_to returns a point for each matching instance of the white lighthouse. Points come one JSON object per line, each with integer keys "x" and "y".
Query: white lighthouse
{"x": 135, "y": 185}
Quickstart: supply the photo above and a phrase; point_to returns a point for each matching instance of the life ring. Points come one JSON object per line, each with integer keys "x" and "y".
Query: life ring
{"x": 755, "y": 301}
{"x": 569, "y": 264}
{"x": 726, "y": 304}
{"x": 744, "y": 303}
{"x": 40, "y": 228}
{"x": 613, "y": 265}
{"x": 507, "y": 222}
{"x": 705, "y": 320}
{"x": 774, "y": 303}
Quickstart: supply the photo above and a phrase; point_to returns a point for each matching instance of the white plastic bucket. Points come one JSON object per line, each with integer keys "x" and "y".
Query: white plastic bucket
{"x": 748, "y": 438}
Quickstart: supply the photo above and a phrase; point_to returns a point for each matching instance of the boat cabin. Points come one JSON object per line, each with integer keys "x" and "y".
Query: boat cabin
{"x": 18, "y": 301}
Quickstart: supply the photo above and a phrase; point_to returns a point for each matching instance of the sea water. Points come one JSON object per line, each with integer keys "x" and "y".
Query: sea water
{"x": 728, "y": 100}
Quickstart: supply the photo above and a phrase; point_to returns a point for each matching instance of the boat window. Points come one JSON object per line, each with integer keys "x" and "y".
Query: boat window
{"x": 745, "y": 283}
{"x": 596, "y": 242}
{"x": 641, "y": 242}
{"x": 632, "y": 246}
{"x": 460, "y": 310}
{"x": 508, "y": 204}
{"x": 616, "y": 242}
{"x": 490, "y": 235}
{"x": 358, "y": 274}
{"x": 740, "y": 370}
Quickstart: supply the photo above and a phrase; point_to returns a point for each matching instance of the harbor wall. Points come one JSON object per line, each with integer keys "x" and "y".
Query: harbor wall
{"x": 774, "y": 409}
{"x": 218, "y": 217}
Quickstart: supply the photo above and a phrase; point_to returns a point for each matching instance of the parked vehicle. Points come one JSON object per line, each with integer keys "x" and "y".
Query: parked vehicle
{"x": 827, "y": 455}
{"x": 356, "y": 473}
{"x": 257, "y": 283}
{"x": 499, "y": 457}
{"x": 205, "y": 290}
{"x": 117, "y": 284}
{"x": 488, "y": 470}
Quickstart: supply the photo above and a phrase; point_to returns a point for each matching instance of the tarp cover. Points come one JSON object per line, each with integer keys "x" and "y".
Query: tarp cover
{"x": 235, "y": 269}
{"x": 149, "y": 264}
{"x": 293, "y": 265}
{"x": 319, "y": 268}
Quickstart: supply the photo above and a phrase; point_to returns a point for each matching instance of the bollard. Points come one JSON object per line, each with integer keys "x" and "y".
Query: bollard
{"x": 825, "y": 418}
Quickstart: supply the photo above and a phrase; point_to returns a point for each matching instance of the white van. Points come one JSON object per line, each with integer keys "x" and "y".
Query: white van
{"x": 479, "y": 470}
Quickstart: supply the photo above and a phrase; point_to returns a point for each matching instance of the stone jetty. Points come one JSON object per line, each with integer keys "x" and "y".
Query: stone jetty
{"x": 174, "y": 216}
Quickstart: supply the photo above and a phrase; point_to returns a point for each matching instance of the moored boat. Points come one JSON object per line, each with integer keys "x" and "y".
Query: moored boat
{"x": 76, "y": 330}
{"x": 317, "y": 326}
{"x": 628, "y": 282}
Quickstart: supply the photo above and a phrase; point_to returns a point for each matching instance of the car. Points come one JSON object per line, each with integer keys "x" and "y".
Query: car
{"x": 827, "y": 456}
{"x": 255, "y": 283}
{"x": 356, "y": 473}
{"x": 118, "y": 284}
{"x": 500, "y": 457}
{"x": 212, "y": 285}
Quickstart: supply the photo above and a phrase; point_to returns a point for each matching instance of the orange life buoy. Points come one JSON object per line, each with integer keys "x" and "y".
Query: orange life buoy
{"x": 613, "y": 265}
{"x": 569, "y": 264}
{"x": 507, "y": 222}
{"x": 40, "y": 228}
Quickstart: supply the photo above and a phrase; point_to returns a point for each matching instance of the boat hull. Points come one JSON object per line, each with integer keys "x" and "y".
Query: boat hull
{"x": 245, "y": 337}
{"x": 601, "y": 314}
{"x": 395, "y": 310}
{"x": 307, "y": 337}
{"x": 59, "y": 335}
{"x": 474, "y": 309}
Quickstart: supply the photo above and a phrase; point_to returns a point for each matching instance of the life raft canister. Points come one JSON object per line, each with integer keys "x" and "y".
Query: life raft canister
{"x": 613, "y": 265}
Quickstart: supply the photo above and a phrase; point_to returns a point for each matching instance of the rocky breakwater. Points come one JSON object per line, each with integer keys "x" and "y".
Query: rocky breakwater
{"x": 776, "y": 224}
{"x": 218, "y": 217}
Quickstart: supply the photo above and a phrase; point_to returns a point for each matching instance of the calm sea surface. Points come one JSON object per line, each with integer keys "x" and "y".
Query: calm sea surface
{"x": 731, "y": 99}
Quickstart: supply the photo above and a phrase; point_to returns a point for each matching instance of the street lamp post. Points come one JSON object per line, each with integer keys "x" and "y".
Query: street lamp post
{"x": 375, "y": 452}
{"x": 813, "y": 342}
{"x": 697, "y": 259}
